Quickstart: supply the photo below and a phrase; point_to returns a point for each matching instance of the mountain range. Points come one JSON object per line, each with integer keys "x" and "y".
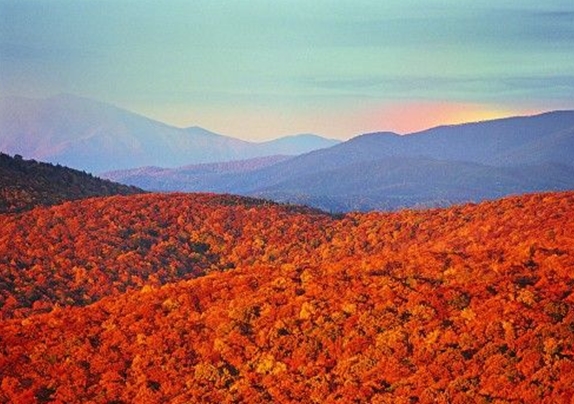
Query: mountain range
{"x": 94, "y": 136}
{"x": 436, "y": 167}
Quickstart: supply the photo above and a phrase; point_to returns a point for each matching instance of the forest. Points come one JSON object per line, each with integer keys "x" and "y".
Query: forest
{"x": 25, "y": 184}
{"x": 181, "y": 298}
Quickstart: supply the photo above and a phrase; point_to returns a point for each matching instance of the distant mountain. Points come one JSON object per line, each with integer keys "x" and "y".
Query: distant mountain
{"x": 545, "y": 138}
{"x": 25, "y": 184}
{"x": 199, "y": 177}
{"x": 393, "y": 183}
{"x": 94, "y": 136}
{"x": 437, "y": 167}
{"x": 295, "y": 145}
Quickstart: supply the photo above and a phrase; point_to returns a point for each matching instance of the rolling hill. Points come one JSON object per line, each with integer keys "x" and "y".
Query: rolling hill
{"x": 394, "y": 183}
{"x": 437, "y": 167}
{"x": 94, "y": 136}
{"x": 208, "y": 177}
{"x": 105, "y": 246}
{"x": 213, "y": 298}
{"x": 25, "y": 184}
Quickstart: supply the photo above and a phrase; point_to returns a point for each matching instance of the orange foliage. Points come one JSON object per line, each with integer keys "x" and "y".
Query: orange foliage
{"x": 77, "y": 253}
{"x": 468, "y": 304}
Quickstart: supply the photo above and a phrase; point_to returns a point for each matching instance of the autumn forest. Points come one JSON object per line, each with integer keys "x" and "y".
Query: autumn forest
{"x": 287, "y": 202}
{"x": 185, "y": 298}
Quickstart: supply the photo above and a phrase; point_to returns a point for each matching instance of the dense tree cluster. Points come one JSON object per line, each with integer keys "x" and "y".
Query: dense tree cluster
{"x": 25, "y": 184}
{"x": 468, "y": 304}
{"x": 77, "y": 253}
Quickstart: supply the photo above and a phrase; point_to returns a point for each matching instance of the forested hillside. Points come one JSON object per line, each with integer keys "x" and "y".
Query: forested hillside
{"x": 25, "y": 184}
{"x": 204, "y": 298}
{"x": 102, "y": 247}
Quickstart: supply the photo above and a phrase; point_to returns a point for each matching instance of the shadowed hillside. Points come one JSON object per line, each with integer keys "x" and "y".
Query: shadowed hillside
{"x": 25, "y": 184}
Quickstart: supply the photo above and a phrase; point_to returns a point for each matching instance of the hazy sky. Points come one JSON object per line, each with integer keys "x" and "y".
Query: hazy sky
{"x": 260, "y": 69}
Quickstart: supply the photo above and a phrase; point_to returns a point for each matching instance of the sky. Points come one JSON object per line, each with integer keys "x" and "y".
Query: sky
{"x": 258, "y": 69}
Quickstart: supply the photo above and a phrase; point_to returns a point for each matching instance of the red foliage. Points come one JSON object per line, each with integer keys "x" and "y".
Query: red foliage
{"x": 468, "y": 304}
{"x": 77, "y": 253}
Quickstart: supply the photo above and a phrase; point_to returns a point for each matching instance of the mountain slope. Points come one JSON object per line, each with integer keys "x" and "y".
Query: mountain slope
{"x": 472, "y": 303}
{"x": 496, "y": 142}
{"x": 208, "y": 177}
{"x": 294, "y": 145}
{"x": 394, "y": 183}
{"x": 490, "y": 143}
{"x": 25, "y": 184}
{"x": 437, "y": 167}
{"x": 94, "y": 136}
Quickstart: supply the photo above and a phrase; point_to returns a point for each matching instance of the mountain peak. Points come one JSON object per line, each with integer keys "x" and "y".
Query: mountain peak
{"x": 304, "y": 136}
{"x": 96, "y": 136}
{"x": 553, "y": 115}
{"x": 378, "y": 134}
